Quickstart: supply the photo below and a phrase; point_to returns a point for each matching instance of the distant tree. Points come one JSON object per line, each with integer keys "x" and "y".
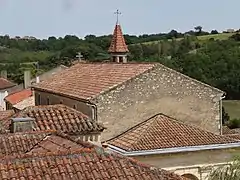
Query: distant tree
{"x": 227, "y": 172}
{"x": 198, "y": 29}
{"x": 173, "y": 34}
{"x": 214, "y": 32}
{"x": 235, "y": 37}
{"x": 225, "y": 116}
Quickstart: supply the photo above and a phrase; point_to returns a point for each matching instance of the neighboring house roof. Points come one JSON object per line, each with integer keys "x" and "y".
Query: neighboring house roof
{"x": 163, "y": 132}
{"x": 118, "y": 44}
{"x": 227, "y": 130}
{"x": 5, "y": 84}
{"x": 57, "y": 117}
{"x": 18, "y": 96}
{"x": 30, "y": 101}
{"x": 5, "y": 114}
{"x": 88, "y": 80}
{"x": 85, "y": 163}
{"x": 46, "y": 75}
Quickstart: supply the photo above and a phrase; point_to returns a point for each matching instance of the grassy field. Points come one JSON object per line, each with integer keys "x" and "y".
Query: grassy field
{"x": 222, "y": 36}
{"x": 232, "y": 108}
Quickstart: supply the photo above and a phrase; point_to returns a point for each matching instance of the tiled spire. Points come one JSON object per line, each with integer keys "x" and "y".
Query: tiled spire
{"x": 118, "y": 44}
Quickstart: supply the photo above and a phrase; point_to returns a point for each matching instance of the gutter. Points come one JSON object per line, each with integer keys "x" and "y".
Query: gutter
{"x": 221, "y": 115}
{"x": 173, "y": 150}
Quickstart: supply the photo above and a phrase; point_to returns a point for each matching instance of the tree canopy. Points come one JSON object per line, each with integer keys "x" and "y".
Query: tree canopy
{"x": 215, "y": 62}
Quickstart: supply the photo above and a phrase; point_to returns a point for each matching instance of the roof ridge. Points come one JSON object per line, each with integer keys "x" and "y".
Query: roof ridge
{"x": 149, "y": 123}
{"x": 133, "y": 127}
{"x": 35, "y": 145}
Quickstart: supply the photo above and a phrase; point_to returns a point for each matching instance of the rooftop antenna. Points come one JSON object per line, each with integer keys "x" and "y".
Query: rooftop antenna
{"x": 117, "y": 13}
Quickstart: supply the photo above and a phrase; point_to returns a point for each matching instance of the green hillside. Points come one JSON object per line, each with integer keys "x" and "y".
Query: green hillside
{"x": 232, "y": 108}
{"x": 221, "y": 36}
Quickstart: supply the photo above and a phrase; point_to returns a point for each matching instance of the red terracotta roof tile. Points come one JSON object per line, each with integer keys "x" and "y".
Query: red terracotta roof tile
{"x": 58, "y": 118}
{"x": 57, "y": 141}
{"x": 4, "y": 84}
{"x": 18, "y": 96}
{"x": 82, "y": 164}
{"x": 5, "y": 114}
{"x": 118, "y": 44}
{"x": 161, "y": 132}
{"x": 39, "y": 142}
{"x": 86, "y": 81}
{"x": 18, "y": 143}
{"x": 233, "y": 136}
{"x": 227, "y": 130}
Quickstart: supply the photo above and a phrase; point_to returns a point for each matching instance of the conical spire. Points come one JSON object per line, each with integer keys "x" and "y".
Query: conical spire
{"x": 118, "y": 44}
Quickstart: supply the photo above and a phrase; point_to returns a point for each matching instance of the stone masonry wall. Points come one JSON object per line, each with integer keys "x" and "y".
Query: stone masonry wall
{"x": 162, "y": 90}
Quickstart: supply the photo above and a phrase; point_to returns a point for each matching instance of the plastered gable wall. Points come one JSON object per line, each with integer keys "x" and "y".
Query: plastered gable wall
{"x": 160, "y": 90}
{"x": 58, "y": 99}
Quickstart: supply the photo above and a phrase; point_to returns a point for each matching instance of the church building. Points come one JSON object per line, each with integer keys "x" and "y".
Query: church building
{"x": 122, "y": 94}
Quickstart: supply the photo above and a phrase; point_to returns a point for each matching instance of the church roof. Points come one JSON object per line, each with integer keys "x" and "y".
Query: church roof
{"x": 118, "y": 44}
{"x": 88, "y": 80}
{"x": 161, "y": 132}
{"x": 58, "y": 118}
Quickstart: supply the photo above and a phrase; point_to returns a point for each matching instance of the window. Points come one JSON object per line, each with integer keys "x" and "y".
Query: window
{"x": 120, "y": 59}
{"x": 48, "y": 101}
{"x": 74, "y": 106}
{"x": 61, "y": 102}
{"x": 39, "y": 99}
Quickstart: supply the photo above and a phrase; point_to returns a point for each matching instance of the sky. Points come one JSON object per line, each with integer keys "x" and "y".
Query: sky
{"x": 44, "y": 18}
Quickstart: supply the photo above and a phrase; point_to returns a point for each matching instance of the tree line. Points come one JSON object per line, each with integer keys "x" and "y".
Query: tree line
{"x": 215, "y": 62}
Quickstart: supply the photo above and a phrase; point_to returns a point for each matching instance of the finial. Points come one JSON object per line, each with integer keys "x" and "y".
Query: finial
{"x": 117, "y": 13}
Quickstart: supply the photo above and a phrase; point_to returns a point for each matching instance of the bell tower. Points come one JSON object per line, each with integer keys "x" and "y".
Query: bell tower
{"x": 118, "y": 48}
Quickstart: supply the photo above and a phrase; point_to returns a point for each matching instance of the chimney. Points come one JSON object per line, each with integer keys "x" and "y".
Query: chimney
{"x": 4, "y": 74}
{"x": 27, "y": 78}
{"x": 22, "y": 124}
{"x": 37, "y": 79}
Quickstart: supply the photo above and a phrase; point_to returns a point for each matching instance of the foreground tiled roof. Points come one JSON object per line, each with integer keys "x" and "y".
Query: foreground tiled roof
{"x": 38, "y": 142}
{"x": 118, "y": 44}
{"x": 5, "y": 114}
{"x": 58, "y": 141}
{"x": 57, "y": 117}
{"x": 19, "y": 143}
{"x": 86, "y": 163}
{"x": 4, "y": 84}
{"x": 18, "y": 96}
{"x": 161, "y": 132}
{"x": 88, "y": 80}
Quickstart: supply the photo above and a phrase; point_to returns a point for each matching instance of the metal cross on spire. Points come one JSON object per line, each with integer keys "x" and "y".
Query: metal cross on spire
{"x": 117, "y": 13}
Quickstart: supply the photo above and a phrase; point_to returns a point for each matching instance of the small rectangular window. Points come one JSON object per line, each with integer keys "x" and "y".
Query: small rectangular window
{"x": 74, "y": 106}
{"x": 39, "y": 99}
{"x": 48, "y": 101}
